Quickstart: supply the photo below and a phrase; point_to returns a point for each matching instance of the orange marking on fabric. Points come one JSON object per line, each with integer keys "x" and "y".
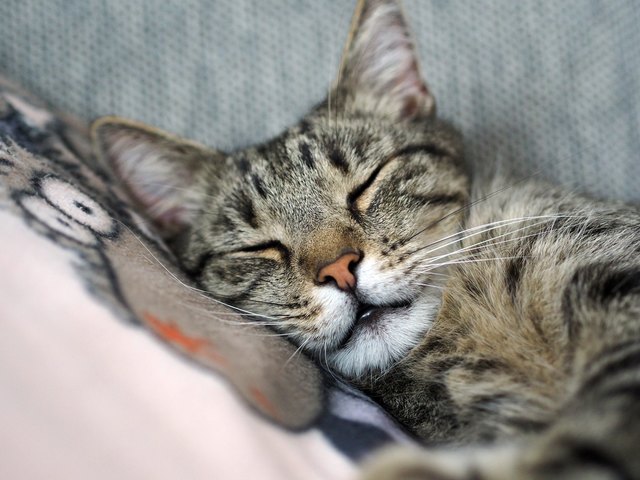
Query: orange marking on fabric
{"x": 262, "y": 400}
{"x": 211, "y": 354}
{"x": 171, "y": 333}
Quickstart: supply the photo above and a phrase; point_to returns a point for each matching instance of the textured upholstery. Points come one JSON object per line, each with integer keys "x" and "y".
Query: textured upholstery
{"x": 542, "y": 85}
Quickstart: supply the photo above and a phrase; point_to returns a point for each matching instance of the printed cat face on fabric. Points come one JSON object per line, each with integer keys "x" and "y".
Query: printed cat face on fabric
{"x": 322, "y": 231}
{"x": 47, "y": 179}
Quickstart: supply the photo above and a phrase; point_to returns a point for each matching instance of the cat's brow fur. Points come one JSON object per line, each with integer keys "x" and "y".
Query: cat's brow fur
{"x": 510, "y": 310}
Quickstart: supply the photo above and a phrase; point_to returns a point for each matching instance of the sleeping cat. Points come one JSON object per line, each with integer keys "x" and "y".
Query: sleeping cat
{"x": 497, "y": 320}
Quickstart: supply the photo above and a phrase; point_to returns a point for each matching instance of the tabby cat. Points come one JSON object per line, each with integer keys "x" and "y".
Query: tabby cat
{"x": 500, "y": 322}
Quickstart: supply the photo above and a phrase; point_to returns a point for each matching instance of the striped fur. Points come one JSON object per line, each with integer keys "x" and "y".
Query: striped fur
{"x": 507, "y": 331}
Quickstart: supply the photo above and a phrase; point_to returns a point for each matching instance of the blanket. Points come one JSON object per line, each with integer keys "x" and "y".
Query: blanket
{"x": 113, "y": 365}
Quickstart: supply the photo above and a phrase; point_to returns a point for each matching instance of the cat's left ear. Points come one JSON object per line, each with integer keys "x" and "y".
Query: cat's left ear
{"x": 162, "y": 172}
{"x": 379, "y": 72}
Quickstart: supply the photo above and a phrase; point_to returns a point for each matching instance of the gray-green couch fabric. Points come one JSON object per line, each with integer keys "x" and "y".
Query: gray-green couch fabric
{"x": 543, "y": 85}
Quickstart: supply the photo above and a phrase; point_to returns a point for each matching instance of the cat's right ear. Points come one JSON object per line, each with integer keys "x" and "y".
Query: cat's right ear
{"x": 380, "y": 72}
{"x": 162, "y": 172}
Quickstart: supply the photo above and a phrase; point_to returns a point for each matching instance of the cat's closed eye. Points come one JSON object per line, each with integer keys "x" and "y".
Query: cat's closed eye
{"x": 360, "y": 198}
{"x": 273, "y": 250}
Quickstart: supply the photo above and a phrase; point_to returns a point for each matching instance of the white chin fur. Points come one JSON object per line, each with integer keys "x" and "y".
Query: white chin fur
{"x": 376, "y": 347}
{"x": 377, "y": 286}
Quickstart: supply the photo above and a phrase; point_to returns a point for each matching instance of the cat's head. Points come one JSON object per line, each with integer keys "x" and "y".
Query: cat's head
{"x": 325, "y": 231}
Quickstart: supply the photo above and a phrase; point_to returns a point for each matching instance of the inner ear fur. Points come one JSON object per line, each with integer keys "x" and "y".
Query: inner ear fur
{"x": 161, "y": 171}
{"x": 379, "y": 72}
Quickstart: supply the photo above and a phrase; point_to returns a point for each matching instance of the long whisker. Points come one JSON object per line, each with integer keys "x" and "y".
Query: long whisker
{"x": 298, "y": 350}
{"x": 504, "y": 222}
{"x": 491, "y": 241}
{"x": 470, "y": 205}
{"x": 476, "y": 260}
{"x": 475, "y": 249}
{"x": 482, "y": 229}
{"x": 440, "y": 287}
{"x": 326, "y": 362}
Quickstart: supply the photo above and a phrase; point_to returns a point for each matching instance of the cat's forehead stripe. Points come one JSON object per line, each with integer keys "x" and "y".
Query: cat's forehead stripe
{"x": 305, "y": 154}
{"x": 244, "y": 205}
{"x": 258, "y": 184}
{"x": 337, "y": 159}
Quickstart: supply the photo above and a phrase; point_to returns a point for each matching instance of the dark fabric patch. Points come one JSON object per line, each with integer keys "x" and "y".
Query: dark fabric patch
{"x": 353, "y": 438}
{"x": 13, "y": 128}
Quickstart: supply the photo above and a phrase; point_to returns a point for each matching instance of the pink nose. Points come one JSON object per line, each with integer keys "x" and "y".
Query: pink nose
{"x": 340, "y": 271}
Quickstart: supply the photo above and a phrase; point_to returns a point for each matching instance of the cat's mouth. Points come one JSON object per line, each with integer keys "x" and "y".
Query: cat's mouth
{"x": 368, "y": 315}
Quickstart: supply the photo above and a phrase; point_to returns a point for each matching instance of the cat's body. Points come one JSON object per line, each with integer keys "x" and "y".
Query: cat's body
{"x": 538, "y": 307}
{"x": 505, "y": 313}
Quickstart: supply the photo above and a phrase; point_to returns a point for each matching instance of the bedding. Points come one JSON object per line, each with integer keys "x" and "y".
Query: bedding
{"x": 543, "y": 86}
{"x": 113, "y": 365}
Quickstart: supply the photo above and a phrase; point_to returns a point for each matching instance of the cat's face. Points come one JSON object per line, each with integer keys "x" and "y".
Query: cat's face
{"x": 325, "y": 231}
